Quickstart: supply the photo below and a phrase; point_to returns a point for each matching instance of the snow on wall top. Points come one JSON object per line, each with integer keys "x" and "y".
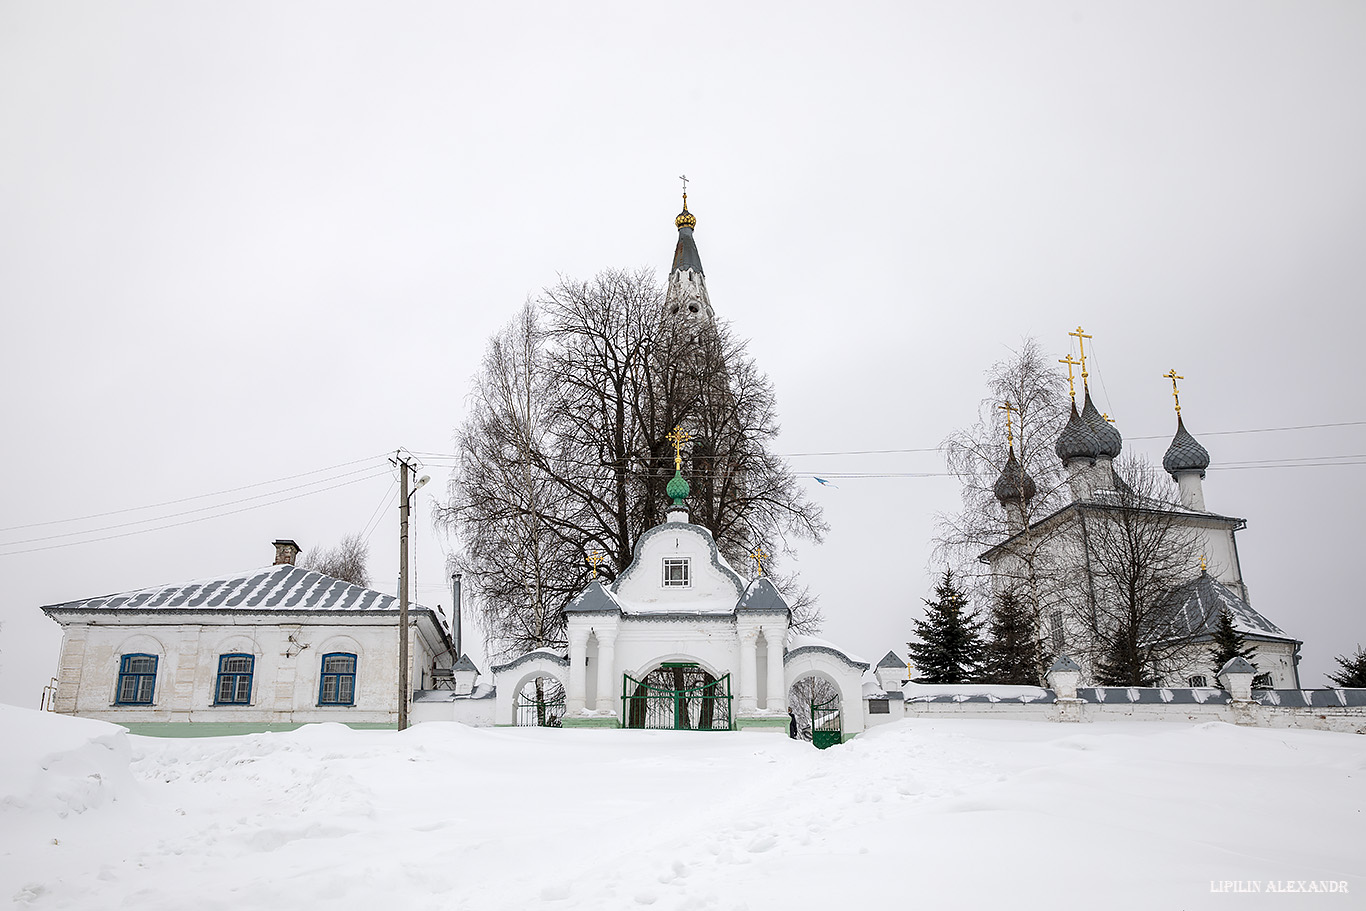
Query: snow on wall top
{"x": 280, "y": 587}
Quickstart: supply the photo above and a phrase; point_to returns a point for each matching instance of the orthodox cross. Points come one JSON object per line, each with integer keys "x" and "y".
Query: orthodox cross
{"x": 1081, "y": 338}
{"x": 1071, "y": 362}
{"x": 1107, "y": 417}
{"x": 758, "y": 556}
{"x": 1009, "y": 409}
{"x": 678, "y": 436}
{"x": 1203, "y": 565}
{"x": 684, "y": 178}
{"x": 595, "y": 559}
{"x": 1172, "y": 375}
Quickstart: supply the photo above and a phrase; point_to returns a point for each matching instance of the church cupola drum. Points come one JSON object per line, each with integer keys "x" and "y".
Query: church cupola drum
{"x": 686, "y": 296}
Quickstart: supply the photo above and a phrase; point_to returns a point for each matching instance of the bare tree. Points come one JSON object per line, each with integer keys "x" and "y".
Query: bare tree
{"x": 1136, "y": 550}
{"x": 1029, "y": 380}
{"x": 565, "y": 451}
{"x": 347, "y": 561}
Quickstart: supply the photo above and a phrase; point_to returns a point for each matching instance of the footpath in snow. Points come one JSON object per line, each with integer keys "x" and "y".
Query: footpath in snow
{"x": 932, "y": 814}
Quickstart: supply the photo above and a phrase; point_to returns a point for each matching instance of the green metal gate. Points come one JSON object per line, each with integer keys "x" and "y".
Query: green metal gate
{"x": 677, "y": 697}
{"x": 826, "y": 726}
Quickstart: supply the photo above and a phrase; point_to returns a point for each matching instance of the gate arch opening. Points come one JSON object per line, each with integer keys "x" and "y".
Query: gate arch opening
{"x": 677, "y": 696}
{"x": 817, "y": 708}
{"x": 540, "y": 702}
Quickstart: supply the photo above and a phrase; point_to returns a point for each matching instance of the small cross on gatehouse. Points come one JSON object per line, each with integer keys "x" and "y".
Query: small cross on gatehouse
{"x": 758, "y": 556}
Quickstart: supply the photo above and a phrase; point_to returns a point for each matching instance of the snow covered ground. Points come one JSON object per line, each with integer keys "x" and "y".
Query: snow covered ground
{"x": 921, "y": 814}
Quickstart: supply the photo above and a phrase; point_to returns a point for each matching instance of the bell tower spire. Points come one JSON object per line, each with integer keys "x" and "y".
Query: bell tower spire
{"x": 686, "y": 297}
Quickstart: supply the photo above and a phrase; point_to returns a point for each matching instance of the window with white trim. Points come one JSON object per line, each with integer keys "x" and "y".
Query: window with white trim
{"x": 677, "y": 572}
{"x": 1198, "y": 680}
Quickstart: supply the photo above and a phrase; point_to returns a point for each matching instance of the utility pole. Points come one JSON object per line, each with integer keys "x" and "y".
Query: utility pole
{"x": 405, "y": 464}
{"x": 404, "y": 683}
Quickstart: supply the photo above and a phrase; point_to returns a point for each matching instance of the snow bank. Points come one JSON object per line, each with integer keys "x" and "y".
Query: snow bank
{"x": 929, "y": 813}
{"x": 58, "y": 764}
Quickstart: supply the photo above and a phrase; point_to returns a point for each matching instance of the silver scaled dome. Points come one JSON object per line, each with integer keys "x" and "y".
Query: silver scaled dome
{"x": 1077, "y": 440}
{"x": 1014, "y": 482}
{"x": 1185, "y": 453}
{"x": 1108, "y": 440}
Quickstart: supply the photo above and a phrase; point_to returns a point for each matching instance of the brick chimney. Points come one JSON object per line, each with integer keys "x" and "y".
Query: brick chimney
{"x": 285, "y": 552}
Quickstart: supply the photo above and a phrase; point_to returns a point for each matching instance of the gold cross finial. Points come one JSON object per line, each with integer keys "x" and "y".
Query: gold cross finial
{"x": 595, "y": 560}
{"x": 758, "y": 556}
{"x": 684, "y": 178}
{"x": 1107, "y": 417}
{"x": 1203, "y": 565}
{"x": 1172, "y": 375}
{"x": 1009, "y": 409}
{"x": 1071, "y": 362}
{"x": 678, "y": 436}
{"x": 1081, "y": 338}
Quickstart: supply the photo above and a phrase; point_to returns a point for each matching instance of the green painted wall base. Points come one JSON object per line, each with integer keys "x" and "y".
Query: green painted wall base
{"x": 571, "y": 722}
{"x": 229, "y": 728}
{"x": 780, "y": 722}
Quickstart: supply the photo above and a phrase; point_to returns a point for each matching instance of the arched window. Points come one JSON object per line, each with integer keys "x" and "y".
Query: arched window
{"x": 234, "y": 680}
{"x": 137, "y": 680}
{"x": 338, "y": 685}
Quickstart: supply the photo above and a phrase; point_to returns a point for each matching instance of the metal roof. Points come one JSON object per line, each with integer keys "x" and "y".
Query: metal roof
{"x": 1202, "y": 600}
{"x": 1077, "y": 440}
{"x": 685, "y": 253}
{"x": 281, "y": 587}
{"x": 1185, "y": 453}
{"x": 762, "y": 595}
{"x": 595, "y": 599}
{"x": 891, "y": 660}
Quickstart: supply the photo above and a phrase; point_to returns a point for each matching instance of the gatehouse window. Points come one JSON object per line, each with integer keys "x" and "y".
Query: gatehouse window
{"x": 137, "y": 679}
{"x": 234, "y": 680}
{"x": 676, "y": 573}
{"x": 1262, "y": 682}
{"x": 339, "y": 680}
{"x": 1198, "y": 680}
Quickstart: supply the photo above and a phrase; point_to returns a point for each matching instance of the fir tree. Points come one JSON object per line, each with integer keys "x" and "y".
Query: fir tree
{"x": 1013, "y": 654}
{"x": 1228, "y": 644}
{"x": 1353, "y": 670}
{"x": 950, "y": 646}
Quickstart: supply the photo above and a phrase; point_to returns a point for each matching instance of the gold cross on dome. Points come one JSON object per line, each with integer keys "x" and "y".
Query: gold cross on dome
{"x": 1071, "y": 362}
{"x": 1081, "y": 338}
{"x": 758, "y": 556}
{"x": 1172, "y": 375}
{"x": 595, "y": 560}
{"x": 1107, "y": 417}
{"x": 1203, "y": 565}
{"x": 678, "y": 436}
{"x": 684, "y": 178}
{"x": 1009, "y": 409}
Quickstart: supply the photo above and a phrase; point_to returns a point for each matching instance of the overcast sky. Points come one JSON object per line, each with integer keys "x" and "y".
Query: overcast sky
{"x": 246, "y": 242}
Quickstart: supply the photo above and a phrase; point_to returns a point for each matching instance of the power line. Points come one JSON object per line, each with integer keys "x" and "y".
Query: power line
{"x": 115, "y": 512}
{"x": 141, "y": 531}
{"x": 187, "y": 512}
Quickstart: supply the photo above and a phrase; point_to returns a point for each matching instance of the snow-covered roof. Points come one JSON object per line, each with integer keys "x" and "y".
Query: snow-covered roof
{"x": 797, "y": 642}
{"x": 281, "y": 587}
{"x": 1204, "y": 599}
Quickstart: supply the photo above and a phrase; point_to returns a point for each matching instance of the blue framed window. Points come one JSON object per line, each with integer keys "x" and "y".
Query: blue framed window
{"x": 339, "y": 680}
{"x": 137, "y": 680}
{"x": 234, "y": 680}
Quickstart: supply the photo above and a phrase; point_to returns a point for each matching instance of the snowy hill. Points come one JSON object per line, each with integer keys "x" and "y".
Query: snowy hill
{"x": 943, "y": 814}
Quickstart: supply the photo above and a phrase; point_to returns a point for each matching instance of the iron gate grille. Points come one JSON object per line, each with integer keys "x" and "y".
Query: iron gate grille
{"x": 826, "y": 727}
{"x": 677, "y": 697}
{"x": 540, "y": 704}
